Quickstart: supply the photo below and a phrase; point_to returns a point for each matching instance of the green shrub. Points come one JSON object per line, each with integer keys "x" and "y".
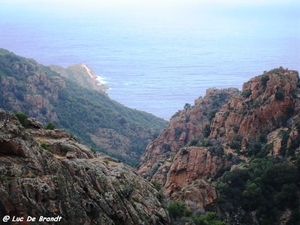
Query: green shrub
{"x": 264, "y": 80}
{"x": 289, "y": 110}
{"x": 226, "y": 114}
{"x": 205, "y": 143}
{"x": 279, "y": 95}
{"x": 184, "y": 151}
{"x": 23, "y": 118}
{"x": 254, "y": 149}
{"x": 210, "y": 218}
{"x": 212, "y": 114}
{"x": 222, "y": 133}
{"x": 156, "y": 185}
{"x": 235, "y": 128}
{"x": 285, "y": 136}
{"x": 178, "y": 132}
{"x": 263, "y": 137}
{"x": 238, "y": 138}
{"x": 50, "y": 126}
{"x": 193, "y": 142}
{"x": 178, "y": 210}
{"x": 45, "y": 146}
{"x": 106, "y": 161}
{"x": 187, "y": 106}
{"x": 246, "y": 93}
{"x": 93, "y": 150}
{"x": 206, "y": 130}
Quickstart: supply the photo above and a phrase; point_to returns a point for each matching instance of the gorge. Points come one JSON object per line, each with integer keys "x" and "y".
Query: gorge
{"x": 208, "y": 165}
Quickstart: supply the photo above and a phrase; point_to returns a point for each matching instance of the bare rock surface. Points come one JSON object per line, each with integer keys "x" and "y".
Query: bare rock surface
{"x": 47, "y": 173}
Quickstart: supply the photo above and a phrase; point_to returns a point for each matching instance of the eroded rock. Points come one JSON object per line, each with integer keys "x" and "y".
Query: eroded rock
{"x": 47, "y": 173}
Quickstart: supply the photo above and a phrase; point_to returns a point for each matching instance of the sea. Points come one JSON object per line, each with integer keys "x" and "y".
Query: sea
{"x": 157, "y": 59}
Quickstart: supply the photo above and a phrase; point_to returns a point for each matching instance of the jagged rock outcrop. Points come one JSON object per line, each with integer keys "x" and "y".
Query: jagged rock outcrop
{"x": 184, "y": 126}
{"x": 189, "y": 176}
{"x": 163, "y": 160}
{"x": 190, "y": 164}
{"x": 203, "y": 141}
{"x": 47, "y": 173}
{"x": 266, "y": 103}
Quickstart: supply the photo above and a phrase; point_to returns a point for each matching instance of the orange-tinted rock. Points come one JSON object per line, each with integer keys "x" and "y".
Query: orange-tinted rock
{"x": 265, "y": 113}
{"x": 264, "y": 108}
{"x": 183, "y": 127}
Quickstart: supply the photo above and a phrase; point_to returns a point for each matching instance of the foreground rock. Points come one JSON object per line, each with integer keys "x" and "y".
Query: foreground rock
{"x": 47, "y": 173}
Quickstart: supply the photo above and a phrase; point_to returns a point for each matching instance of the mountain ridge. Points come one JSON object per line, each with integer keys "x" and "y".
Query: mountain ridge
{"x": 90, "y": 114}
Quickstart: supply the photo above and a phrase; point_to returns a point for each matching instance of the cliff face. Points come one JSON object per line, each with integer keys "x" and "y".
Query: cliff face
{"x": 203, "y": 141}
{"x": 266, "y": 103}
{"x": 176, "y": 169}
{"x": 185, "y": 126}
{"x": 47, "y": 173}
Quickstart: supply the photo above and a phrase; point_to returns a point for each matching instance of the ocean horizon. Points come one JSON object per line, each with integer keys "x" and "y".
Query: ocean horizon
{"x": 158, "y": 63}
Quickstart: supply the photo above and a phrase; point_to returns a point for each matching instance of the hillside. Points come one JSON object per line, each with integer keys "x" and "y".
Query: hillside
{"x": 47, "y": 173}
{"x": 82, "y": 75}
{"x": 240, "y": 158}
{"x": 76, "y": 105}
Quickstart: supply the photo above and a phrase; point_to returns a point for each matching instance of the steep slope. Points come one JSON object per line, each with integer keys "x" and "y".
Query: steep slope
{"x": 247, "y": 149}
{"x": 266, "y": 103}
{"x": 47, "y": 173}
{"x": 185, "y": 127}
{"x": 89, "y": 114}
{"x": 261, "y": 127}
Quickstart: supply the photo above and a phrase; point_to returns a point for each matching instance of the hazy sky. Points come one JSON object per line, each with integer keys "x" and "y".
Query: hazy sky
{"x": 229, "y": 16}
{"x": 162, "y": 14}
{"x": 145, "y": 6}
{"x": 153, "y": 11}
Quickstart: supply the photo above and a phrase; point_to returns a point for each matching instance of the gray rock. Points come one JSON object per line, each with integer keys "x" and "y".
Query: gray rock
{"x": 46, "y": 173}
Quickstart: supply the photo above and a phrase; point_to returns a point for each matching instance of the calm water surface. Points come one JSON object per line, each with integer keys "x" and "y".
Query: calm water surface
{"x": 156, "y": 66}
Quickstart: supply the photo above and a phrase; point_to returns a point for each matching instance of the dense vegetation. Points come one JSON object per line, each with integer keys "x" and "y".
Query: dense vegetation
{"x": 266, "y": 186}
{"x": 79, "y": 110}
{"x": 83, "y": 112}
{"x": 179, "y": 214}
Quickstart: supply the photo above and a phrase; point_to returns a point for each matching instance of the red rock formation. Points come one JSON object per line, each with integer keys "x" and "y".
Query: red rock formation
{"x": 190, "y": 164}
{"x": 265, "y": 111}
{"x": 182, "y": 172}
{"x": 188, "y": 176}
{"x": 184, "y": 126}
{"x": 262, "y": 105}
